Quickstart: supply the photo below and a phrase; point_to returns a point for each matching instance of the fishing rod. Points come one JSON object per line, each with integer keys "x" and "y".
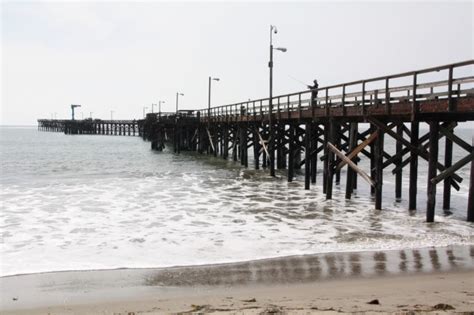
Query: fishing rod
{"x": 299, "y": 81}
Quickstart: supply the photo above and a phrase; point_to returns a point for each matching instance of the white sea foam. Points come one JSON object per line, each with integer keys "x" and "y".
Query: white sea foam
{"x": 92, "y": 202}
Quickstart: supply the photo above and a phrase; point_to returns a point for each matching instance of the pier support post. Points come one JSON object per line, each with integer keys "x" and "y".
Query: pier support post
{"x": 398, "y": 174}
{"x": 350, "y": 172}
{"x": 291, "y": 152}
{"x": 307, "y": 159}
{"x": 413, "y": 165}
{"x": 215, "y": 139}
{"x": 372, "y": 159}
{"x": 432, "y": 163}
{"x": 281, "y": 156}
{"x": 314, "y": 152}
{"x": 243, "y": 146}
{"x": 326, "y": 152}
{"x": 337, "y": 143}
{"x": 378, "y": 156}
{"x": 470, "y": 202}
{"x": 256, "y": 148}
{"x": 330, "y": 160}
{"x": 271, "y": 147}
{"x": 225, "y": 153}
{"x": 448, "y": 160}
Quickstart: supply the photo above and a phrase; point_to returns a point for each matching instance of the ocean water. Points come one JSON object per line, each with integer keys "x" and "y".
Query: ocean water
{"x": 102, "y": 202}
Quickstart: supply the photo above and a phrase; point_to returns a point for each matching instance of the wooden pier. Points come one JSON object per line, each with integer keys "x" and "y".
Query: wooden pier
{"x": 90, "y": 126}
{"x": 337, "y": 126}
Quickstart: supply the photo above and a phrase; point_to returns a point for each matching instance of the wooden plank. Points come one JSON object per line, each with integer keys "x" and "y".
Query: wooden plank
{"x": 414, "y": 148}
{"x": 359, "y": 148}
{"x": 262, "y": 142}
{"x": 460, "y": 142}
{"x": 351, "y": 164}
{"x": 210, "y": 140}
{"x": 449, "y": 171}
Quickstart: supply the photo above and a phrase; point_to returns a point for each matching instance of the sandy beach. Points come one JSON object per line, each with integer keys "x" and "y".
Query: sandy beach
{"x": 434, "y": 280}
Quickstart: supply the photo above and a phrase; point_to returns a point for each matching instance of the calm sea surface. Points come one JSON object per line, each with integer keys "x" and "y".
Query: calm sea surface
{"x": 92, "y": 202}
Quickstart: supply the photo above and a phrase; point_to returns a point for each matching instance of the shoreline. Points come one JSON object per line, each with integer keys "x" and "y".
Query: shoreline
{"x": 369, "y": 273}
{"x": 258, "y": 260}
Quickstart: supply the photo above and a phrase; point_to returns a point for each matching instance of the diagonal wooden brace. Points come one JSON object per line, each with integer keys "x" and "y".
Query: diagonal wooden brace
{"x": 357, "y": 149}
{"x": 210, "y": 140}
{"x": 351, "y": 164}
{"x": 407, "y": 143}
{"x": 451, "y": 136}
{"x": 450, "y": 170}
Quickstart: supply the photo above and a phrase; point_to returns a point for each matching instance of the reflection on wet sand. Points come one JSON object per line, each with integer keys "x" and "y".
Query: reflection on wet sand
{"x": 310, "y": 268}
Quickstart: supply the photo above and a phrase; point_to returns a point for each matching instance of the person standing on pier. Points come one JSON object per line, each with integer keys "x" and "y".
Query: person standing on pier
{"x": 314, "y": 92}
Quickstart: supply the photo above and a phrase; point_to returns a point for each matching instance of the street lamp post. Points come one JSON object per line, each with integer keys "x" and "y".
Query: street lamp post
{"x": 177, "y": 95}
{"x": 209, "y": 101}
{"x": 159, "y": 107}
{"x": 152, "y": 106}
{"x": 273, "y": 30}
{"x": 144, "y": 109}
{"x": 111, "y": 115}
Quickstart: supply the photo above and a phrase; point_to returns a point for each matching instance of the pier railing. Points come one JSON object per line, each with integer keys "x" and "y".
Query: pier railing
{"x": 387, "y": 91}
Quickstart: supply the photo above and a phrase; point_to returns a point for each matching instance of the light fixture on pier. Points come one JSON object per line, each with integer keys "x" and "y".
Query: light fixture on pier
{"x": 159, "y": 106}
{"x": 273, "y": 30}
{"x": 209, "y": 99}
{"x": 177, "y": 95}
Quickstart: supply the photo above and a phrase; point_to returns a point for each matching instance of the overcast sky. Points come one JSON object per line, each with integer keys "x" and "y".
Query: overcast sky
{"x": 122, "y": 56}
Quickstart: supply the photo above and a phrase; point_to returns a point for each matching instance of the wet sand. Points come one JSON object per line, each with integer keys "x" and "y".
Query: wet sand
{"x": 429, "y": 280}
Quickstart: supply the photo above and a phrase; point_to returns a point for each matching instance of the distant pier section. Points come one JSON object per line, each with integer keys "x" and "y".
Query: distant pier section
{"x": 91, "y": 126}
{"x": 338, "y": 126}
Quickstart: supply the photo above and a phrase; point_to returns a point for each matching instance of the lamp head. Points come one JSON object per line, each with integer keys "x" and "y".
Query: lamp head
{"x": 216, "y": 79}
{"x": 282, "y": 49}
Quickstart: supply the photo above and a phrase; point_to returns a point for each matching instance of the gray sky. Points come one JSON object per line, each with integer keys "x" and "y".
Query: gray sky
{"x": 122, "y": 56}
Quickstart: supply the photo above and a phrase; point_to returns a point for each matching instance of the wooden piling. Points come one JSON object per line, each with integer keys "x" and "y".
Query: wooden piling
{"x": 256, "y": 148}
{"x": 307, "y": 163}
{"x": 448, "y": 160}
{"x": 314, "y": 153}
{"x": 398, "y": 174}
{"x": 330, "y": 160}
{"x": 413, "y": 165}
{"x": 291, "y": 152}
{"x": 372, "y": 158}
{"x": 337, "y": 140}
{"x": 325, "y": 161}
{"x": 470, "y": 202}
{"x": 433, "y": 160}
{"x": 378, "y": 156}
{"x": 350, "y": 173}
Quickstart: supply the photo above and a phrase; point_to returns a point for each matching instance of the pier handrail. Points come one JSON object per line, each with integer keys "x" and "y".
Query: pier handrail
{"x": 249, "y": 108}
